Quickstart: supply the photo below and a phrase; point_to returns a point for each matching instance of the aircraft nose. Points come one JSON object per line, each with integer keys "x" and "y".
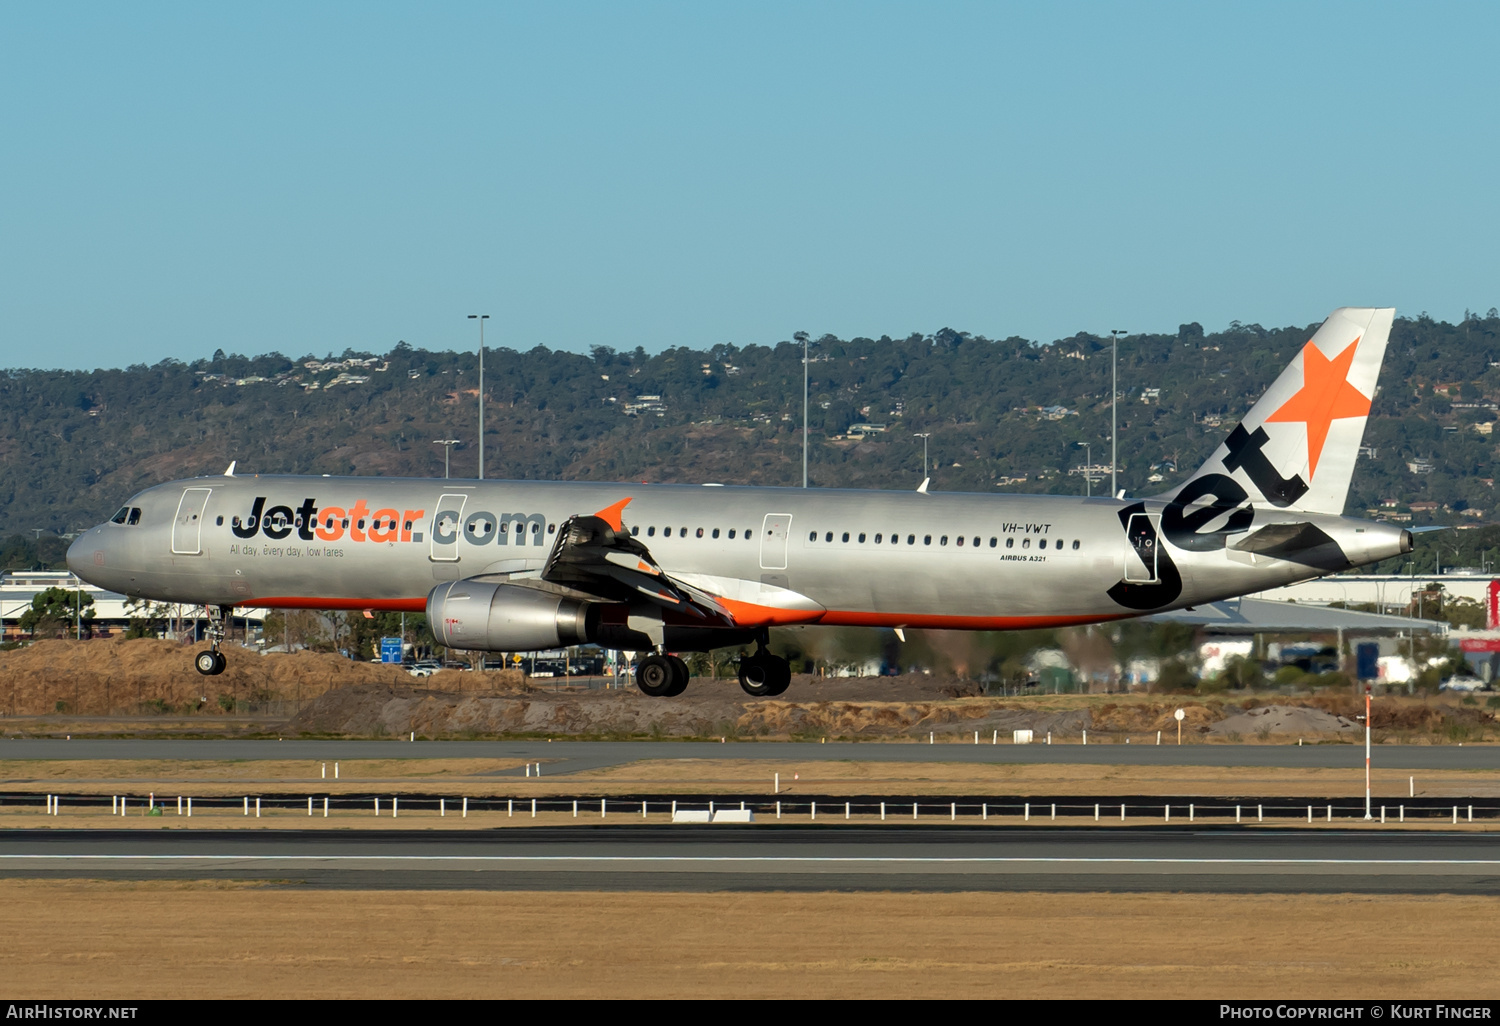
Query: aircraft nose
{"x": 78, "y": 558}
{"x": 87, "y": 557}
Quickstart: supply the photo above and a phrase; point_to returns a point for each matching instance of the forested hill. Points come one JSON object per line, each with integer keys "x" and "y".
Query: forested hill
{"x": 1001, "y": 414}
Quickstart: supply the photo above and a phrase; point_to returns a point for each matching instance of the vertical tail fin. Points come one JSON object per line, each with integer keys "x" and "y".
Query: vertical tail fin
{"x": 1297, "y": 446}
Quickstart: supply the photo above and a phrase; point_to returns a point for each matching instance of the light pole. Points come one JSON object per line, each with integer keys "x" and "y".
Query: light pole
{"x": 481, "y": 318}
{"x": 1088, "y": 464}
{"x": 923, "y": 435}
{"x": 1114, "y": 402}
{"x": 447, "y": 444}
{"x": 801, "y": 336}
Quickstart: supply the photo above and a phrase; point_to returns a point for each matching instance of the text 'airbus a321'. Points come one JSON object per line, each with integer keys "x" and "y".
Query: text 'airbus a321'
{"x": 507, "y": 566}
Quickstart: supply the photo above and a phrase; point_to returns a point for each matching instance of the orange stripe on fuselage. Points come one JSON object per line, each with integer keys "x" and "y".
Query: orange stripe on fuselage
{"x": 844, "y": 618}
{"x": 391, "y": 605}
{"x": 748, "y": 614}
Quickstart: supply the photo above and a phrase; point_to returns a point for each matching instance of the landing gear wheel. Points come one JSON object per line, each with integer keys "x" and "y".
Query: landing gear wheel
{"x": 683, "y": 674}
{"x": 764, "y": 675}
{"x": 655, "y": 676}
{"x": 208, "y": 663}
{"x": 222, "y": 663}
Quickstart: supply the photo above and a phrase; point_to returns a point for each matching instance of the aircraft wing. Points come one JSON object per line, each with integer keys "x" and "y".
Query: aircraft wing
{"x": 595, "y": 554}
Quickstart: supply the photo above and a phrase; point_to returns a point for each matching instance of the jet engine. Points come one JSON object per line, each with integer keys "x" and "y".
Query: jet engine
{"x": 506, "y": 617}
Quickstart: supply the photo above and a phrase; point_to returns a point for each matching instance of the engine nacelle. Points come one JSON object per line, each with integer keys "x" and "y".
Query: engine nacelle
{"x": 505, "y": 617}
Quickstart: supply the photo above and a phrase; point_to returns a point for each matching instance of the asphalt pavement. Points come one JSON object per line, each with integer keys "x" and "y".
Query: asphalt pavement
{"x": 773, "y": 857}
{"x": 561, "y": 757}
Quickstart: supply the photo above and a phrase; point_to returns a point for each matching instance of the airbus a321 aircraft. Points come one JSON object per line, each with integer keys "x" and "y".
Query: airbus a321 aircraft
{"x": 506, "y": 566}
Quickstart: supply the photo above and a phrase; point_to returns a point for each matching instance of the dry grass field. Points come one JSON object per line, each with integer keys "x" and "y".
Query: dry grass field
{"x": 173, "y": 940}
{"x": 474, "y": 777}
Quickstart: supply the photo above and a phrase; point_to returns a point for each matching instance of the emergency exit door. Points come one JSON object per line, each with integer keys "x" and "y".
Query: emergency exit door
{"x": 774, "y": 532}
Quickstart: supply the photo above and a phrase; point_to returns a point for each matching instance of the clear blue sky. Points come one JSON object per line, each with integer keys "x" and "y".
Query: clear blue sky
{"x": 306, "y": 177}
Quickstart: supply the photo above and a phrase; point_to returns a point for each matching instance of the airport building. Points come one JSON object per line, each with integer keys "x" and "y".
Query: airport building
{"x": 112, "y": 611}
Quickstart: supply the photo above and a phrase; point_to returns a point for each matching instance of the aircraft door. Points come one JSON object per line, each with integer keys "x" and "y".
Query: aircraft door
{"x": 774, "y": 532}
{"x": 1141, "y": 546}
{"x": 187, "y": 529}
{"x": 445, "y": 528}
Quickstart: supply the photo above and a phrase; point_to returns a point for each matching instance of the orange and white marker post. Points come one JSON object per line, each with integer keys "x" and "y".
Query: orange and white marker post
{"x": 1367, "y": 751}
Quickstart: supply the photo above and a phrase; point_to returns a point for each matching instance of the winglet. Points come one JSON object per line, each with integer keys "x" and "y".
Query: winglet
{"x": 230, "y": 471}
{"x": 611, "y": 515}
{"x": 922, "y": 488}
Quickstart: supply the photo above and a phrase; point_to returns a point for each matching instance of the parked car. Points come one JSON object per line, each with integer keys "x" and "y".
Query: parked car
{"x": 1463, "y": 682}
{"x": 424, "y": 668}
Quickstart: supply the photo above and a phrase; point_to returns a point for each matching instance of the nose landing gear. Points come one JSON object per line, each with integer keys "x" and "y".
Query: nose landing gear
{"x": 211, "y": 661}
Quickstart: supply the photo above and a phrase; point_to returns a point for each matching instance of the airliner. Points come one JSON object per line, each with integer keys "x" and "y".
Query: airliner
{"x": 508, "y": 566}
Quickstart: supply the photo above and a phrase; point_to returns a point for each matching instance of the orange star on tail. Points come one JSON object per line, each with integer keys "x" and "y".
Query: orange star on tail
{"x": 1325, "y": 396}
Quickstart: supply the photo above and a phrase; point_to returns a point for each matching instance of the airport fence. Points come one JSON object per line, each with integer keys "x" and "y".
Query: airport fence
{"x": 825, "y": 809}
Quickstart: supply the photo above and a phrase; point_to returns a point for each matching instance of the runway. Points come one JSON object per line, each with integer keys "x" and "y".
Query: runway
{"x": 769, "y": 857}
{"x": 564, "y": 757}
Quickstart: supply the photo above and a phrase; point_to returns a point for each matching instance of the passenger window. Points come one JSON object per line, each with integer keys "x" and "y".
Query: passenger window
{"x": 666, "y": 532}
{"x": 219, "y": 522}
{"x": 700, "y": 532}
{"x": 1010, "y": 543}
{"x": 716, "y": 532}
{"x": 926, "y": 539}
{"x": 877, "y": 539}
{"x": 960, "y": 539}
{"x": 1042, "y": 544}
{"x": 682, "y": 532}
{"x": 536, "y": 528}
{"x": 1075, "y": 544}
{"x": 812, "y": 536}
{"x": 651, "y": 532}
{"x": 911, "y": 539}
{"x": 635, "y": 532}
{"x": 828, "y": 536}
{"x": 846, "y": 536}
{"x": 943, "y": 540}
{"x": 861, "y": 539}
{"x": 992, "y": 543}
{"x": 731, "y": 533}
{"x": 551, "y": 528}
{"x": 976, "y": 542}
{"x": 1025, "y": 543}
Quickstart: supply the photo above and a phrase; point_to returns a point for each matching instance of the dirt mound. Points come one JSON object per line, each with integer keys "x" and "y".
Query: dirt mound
{"x": 144, "y": 675}
{"x": 722, "y": 711}
{"x": 1301, "y": 720}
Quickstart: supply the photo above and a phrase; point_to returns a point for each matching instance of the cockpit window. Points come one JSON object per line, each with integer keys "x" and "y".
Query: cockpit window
{"x": 135, "y": 516}
{"x": 128, "y": 515}
{"x": 119, "y": 518}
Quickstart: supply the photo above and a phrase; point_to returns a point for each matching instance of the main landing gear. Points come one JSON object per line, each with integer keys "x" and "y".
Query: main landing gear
{"x": 764, "y": 675}
{"x": 211, "y": 662}
{"x": 662, "y": 676}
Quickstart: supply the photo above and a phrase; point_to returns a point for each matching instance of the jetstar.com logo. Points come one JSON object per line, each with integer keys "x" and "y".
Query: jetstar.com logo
{"x": 330, "y": 523}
